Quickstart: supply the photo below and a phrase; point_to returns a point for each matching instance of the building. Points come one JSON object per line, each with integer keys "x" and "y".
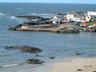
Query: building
{"x": 91, "y": 13}
{"x": 69, "y": 17}
{"x": 58, "y": 19}
{"x": 74, "y": 17}
{"x": 87, "y": 18}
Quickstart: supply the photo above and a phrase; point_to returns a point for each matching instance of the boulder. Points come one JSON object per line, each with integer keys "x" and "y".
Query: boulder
{"x": 34, "y": 61}
{"x": 24, "y": 49}
{"x": 52, "y": 57}
{"x": 79, "y": 70}
{"x": 79, "y": 53}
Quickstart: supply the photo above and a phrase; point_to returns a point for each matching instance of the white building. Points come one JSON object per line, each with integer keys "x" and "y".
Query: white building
{"x": 87, "y": 18}
{"x": 76, "y": 19}
{"x": 72, "y": 17}
{"x": 57, "y": 19}
{"x": 91, "y": 13}
{"x": 69, "y": 17}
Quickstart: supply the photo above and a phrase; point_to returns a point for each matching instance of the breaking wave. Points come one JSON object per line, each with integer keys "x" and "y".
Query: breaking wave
{"x": 13, "y": 17}
{"x": 11, "y": 65}
{"x": 2, "y": 14}
{"x": 21, "y": 20}
{"x": 10, "y": 17}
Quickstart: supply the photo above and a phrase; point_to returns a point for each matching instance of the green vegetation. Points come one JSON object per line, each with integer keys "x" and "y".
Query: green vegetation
{"x": 91, "y": 23}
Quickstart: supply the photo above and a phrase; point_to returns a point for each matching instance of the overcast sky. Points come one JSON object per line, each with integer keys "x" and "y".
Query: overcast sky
{"x": 53, "y": 1}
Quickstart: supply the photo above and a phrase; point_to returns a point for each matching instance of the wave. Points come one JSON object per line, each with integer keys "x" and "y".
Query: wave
{"x": 8, "y": 16}
{"x": 44, "y": 14}
{"x": 13, "y": 17}
{"x": 39, "y": 14}
{"x": 11, "y": 65}
{"x": 21, "y": 20}
{"x": 2, "y": 14}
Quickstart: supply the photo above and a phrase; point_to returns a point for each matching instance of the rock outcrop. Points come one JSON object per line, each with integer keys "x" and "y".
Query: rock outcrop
{"x": 34, "y": 61}
{"x": 24, "y": 49}
{"x": 47, "y": 28}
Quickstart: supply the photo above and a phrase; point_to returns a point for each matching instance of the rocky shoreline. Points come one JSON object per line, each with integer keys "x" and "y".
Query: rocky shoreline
{"x": 24, "y": 49}
{"x": 31, "y": 50}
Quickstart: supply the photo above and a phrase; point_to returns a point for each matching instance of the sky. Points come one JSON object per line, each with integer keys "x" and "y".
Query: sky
{"x": 53, "y": 1}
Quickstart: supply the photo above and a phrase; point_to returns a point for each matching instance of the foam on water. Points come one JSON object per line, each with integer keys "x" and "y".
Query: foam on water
{"x": 2, "y": 14}
{"x": 13, "y": 17}
{"x": 9, "y": 17}
{"x": 41, "y": 14}
{"x": 10, "y": 65}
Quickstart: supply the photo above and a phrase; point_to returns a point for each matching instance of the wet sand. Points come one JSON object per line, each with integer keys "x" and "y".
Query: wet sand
{"x": 75, "y": 65}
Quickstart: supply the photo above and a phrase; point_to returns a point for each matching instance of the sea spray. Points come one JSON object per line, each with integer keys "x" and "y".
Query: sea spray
{"x": 12, "y": 17}
{"x": 19, "y": 20}
{"x": 2, "y": 14}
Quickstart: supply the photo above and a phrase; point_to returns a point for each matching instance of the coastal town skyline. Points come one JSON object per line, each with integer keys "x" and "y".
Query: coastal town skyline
{"x": 51, "y": 1}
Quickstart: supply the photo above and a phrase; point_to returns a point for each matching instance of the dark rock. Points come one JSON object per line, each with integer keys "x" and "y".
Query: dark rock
{"x": 14, "y": 28}
{"x": 25, "y": 49}
{"x": 34, "y": 61}
{"x": 52, "y": 57}
{"x": 30, "y": 17}
{"x": 78, "y": 53}
{"x": 69, "y": 31}
{"x": 37, "y": 55}
{"x": 79, "y": 69}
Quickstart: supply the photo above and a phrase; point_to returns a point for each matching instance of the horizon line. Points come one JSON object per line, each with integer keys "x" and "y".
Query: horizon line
{"x": 47, "y": 3}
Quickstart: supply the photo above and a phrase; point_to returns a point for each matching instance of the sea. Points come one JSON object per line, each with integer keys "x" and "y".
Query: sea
{"x": 60, "y": 46}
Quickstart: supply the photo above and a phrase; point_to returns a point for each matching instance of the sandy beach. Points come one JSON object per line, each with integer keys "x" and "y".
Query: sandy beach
{"x": 75, "y": 65}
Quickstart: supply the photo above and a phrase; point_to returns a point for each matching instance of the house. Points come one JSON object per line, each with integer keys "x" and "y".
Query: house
{"x": 74, "y": 17}
{"x": 90, "y": 15}
{"x": 69, "y": 17}
{"x": 57, "y": 19}
{"x": 87, "y": 18}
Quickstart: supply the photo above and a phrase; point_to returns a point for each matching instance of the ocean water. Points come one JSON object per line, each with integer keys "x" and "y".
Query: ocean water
{"x": 53, "y": 44}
